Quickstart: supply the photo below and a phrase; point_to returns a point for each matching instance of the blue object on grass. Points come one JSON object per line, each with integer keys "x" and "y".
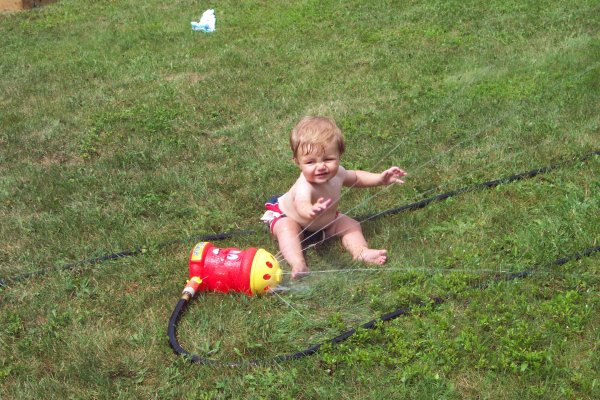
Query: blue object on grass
{"x": 207, "y": 22}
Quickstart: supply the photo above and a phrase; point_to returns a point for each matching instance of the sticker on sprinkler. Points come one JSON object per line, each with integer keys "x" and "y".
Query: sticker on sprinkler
{"x": 197, "y": 251}
{"x": 207, "y": 22}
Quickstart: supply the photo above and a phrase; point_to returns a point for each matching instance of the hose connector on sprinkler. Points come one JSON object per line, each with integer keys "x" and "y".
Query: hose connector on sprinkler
{"x": 191, "y": 288}
{"x": 252, "y": 271}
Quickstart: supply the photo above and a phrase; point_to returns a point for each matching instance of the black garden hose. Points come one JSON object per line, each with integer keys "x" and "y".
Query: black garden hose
{"x": 175, "y": 316}
{"x": 121, "y": 254}
{"x": 313, "y": 349}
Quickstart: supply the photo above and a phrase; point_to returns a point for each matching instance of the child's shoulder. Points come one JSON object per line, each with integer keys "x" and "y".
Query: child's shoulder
{"x": 341, "y": 173}
{"x": 300, "y": 190}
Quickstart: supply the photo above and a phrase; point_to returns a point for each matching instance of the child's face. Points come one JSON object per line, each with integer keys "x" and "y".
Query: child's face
{"x": 320, "y": 166}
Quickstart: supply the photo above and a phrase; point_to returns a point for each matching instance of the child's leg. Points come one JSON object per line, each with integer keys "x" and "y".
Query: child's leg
{"x": 287, "y": 231}
{"x": 354, "y": 241}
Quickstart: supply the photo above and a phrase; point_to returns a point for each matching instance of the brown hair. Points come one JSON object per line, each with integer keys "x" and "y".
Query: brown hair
{"x": 312, "y": 133}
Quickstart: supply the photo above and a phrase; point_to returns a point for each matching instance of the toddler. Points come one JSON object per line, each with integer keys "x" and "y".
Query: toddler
{"x": 310, "y": 205}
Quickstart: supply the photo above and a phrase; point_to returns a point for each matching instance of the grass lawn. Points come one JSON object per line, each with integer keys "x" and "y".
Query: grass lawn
{"x": 121, "y": 128}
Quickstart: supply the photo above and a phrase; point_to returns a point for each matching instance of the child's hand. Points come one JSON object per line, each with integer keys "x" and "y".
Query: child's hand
{"x": 392, "y": 175}
{"x": 320, "y": 206}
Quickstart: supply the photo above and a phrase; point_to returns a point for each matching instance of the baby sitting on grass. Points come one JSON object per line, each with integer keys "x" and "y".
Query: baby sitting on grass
{"x": 310, "y": 205}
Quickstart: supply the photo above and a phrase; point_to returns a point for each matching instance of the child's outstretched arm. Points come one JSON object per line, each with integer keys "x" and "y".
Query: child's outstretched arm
{"x": 368, "y": 179}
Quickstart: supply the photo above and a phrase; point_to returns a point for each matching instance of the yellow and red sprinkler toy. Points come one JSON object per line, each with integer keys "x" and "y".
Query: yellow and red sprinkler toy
{"x": 252, "y": 272}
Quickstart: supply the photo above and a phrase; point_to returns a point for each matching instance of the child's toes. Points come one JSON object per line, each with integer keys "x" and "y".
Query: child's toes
{"x": 372, "y": 256}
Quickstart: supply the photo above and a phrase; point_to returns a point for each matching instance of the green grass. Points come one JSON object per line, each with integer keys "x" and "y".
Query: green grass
{"x": 120, "y": 128}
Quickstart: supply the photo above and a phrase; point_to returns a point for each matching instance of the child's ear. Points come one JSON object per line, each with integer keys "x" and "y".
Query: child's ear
{"x": 295, "y": 161}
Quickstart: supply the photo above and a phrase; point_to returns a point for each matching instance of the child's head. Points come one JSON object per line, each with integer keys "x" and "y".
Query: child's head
{"x": 313, "y": 134}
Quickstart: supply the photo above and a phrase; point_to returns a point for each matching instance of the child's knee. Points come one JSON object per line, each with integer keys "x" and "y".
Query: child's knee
{"x": 351, "y": 226}
{"x": 286, "y": 227}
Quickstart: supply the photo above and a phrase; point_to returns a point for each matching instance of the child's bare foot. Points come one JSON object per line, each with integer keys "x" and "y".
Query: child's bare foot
{"x": 300, "y": 272}
{"x": 373, "y": 256}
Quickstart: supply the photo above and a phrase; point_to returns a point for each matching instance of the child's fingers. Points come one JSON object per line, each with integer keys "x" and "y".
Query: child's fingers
{"x": 398, "y": 171}
{"x": 321, "y": 202}
{"x": 395, "y": 173}
{"x": 321, "y": 205}
{"x": 395, "y": 179}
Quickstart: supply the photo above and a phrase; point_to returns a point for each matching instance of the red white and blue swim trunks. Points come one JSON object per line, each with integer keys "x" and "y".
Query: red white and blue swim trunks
{"x": 273, "y": 213}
